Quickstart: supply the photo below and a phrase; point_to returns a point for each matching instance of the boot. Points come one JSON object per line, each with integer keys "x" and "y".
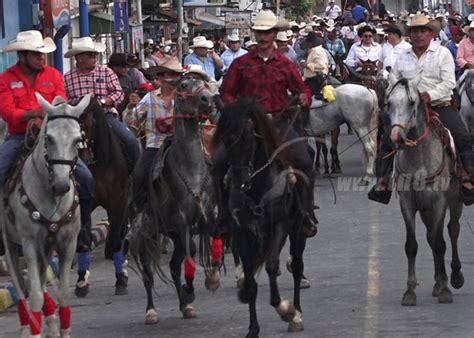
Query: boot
{"x": 380, "y": 192}
{"x": 467, "y": 159}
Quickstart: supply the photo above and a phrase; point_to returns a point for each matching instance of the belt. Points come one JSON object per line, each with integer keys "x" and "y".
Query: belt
{"x": 443, "y": 104}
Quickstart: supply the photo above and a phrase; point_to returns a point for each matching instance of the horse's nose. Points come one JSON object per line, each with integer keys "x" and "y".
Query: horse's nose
{"x": 60, "y": 188}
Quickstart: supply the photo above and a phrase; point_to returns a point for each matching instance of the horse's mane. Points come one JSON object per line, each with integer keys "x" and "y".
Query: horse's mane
{"x": 234, "y": 115}
{"x": 103, "y": 137}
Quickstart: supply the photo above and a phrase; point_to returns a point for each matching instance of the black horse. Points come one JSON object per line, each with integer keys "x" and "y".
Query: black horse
{"x": 107, "y": 161}
{"x": 264, "y": 204}
{"x": 181, "y": 204}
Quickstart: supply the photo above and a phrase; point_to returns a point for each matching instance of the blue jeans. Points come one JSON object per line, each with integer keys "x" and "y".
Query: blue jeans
{"x": 10, "y": 150}
{"x": 126, "y": 137}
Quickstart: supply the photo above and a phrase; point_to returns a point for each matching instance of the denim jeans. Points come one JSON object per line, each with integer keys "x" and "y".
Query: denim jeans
{"x": 126, "y": 137}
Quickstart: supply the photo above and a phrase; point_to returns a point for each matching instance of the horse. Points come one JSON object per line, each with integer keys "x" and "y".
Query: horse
{"x": 466, "y": 104}
{"x": 181, "y": 204}
{"x": 42, "y": 215}
{"x": 365, "y": 76}
{"x": 265, "y": 206}
{"x": 107, "y": 162}
{"x": 426, "y": 183}
{"x": 362, "y": 117}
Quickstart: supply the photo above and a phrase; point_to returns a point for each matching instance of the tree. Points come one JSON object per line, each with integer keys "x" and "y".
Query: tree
{"x": 300, "y": 10}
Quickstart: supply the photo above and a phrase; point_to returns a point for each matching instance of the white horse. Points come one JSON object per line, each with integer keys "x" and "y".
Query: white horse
{"x": 42, "y": 215}
{"x": 466, "y": 108}
{"x": 357, "y": 106}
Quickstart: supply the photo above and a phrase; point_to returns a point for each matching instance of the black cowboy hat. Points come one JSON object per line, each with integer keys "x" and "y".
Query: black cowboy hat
{"x": 366, "y": 28}
{"x": 118, "y": 59}
{"x": 393, "y": 29}
{"x": 312, "y": 40}
{"x": 133, "y": 60}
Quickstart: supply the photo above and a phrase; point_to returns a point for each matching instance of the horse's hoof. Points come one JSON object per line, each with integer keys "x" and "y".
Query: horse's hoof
{"x": 240, "y": 283}
{"x": 53, "y": 328}
{"x": 212, "y": 282}
{"x": 187, "y": 295}
{"x": 66, "y": 333}
{"x": 121, "y": 284}
{"x": 336, "y": 171}
{"x": 253, "y": 333}
{"x": 188, "y": 312}
{"x": 25, "y": 331}
{"x": 409, "y": 298}
{"x": 81, "y": 291}
{"x": 445, "y": 297}
{"x": 286, "y": 310}
{"x": 436, "y": 290}
{"x": 457, "y": 280}
{"x": 288, "y": 264}
{"x": 296, "y": 325}
{"x": 363, "y": 183}
{"x": 239, "y": 272}
{"x": 304, "y": 283}
{"x": 152, "y": 317}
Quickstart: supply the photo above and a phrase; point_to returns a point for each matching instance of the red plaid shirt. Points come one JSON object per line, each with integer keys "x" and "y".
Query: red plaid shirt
{"x": 102, "y": 82}
{"x": 267, "y": 81}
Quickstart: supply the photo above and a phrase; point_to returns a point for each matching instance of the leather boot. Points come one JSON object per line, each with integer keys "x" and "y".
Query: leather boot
{"x": 467, "y": 159}
{"x": 380, "y": 192}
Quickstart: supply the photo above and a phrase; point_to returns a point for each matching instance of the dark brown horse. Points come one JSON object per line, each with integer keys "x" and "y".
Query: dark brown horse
{"x": 106, "y": 160}
{"x": 365, "y": 76}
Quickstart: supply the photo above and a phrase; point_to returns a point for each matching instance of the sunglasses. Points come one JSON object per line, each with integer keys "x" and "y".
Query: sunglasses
{"x": 367, "y": 35}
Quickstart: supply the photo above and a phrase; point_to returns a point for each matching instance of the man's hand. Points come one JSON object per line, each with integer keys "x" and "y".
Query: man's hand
{"x": 425, "y": 97}
{"x": 33, "y": 114}
{"x": 304, "y": 100}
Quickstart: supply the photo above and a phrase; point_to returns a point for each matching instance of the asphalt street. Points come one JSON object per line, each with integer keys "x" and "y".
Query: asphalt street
{"x": 357, "y": 269}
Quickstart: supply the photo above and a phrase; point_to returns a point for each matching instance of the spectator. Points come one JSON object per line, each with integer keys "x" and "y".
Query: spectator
{"x": 136, "y": 75}
{"x": 360, "y": 13}
{"x": 333, "y": 11}
{"x": 118, "y": 63}
{"x": 283, "y": 47}
{"x": 204, "y": 56}
{"x": 465, "y": 56}
{"x": 233, "y": 52}
{"x": 453, "y": 45}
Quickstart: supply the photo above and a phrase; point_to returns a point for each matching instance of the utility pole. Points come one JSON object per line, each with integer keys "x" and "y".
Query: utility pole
{"x": 277, "y": 10}
{"x": 140, "y": 21}
{"x": 179, "y": 12}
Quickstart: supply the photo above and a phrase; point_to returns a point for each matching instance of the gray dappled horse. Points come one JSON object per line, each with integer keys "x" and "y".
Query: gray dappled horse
{"x": 426, "y": 184}
{"x": 357, "y": 106}
{"x": 43, "y": 216}
{"x": 182, "y": 204}
{"x": 466, "y": 104}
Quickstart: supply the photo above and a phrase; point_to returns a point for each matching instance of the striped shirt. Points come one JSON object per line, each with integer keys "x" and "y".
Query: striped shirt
{"x": 102, "y": 82}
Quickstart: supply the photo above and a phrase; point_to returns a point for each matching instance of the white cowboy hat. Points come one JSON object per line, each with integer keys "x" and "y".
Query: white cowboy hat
{"x": 293, "y": 23}
{"x": 234, "y": 37}
{"x": 330, "y": 23}
{"x": 266, "y": 20}
{"x": 84, "y": 45}
{"x": 196, "y": 69}
{"x": 306, "y": 30}
{"x": 330, "y": 29}
{"x": 289, "y": 33}
{"x": 281, "y": 36}
{"x": 420, "y": 20}
{"x": 302, "y": 25}
{"x": 31, "y": 41}
{"x": 468, "y": 28}
{"x": 169, "y": 43}
{"x": 250, "y": 43}
{"x": 379, "y": 31}
{"x": 470, "y": 17}
{"x": 202, "y": 42}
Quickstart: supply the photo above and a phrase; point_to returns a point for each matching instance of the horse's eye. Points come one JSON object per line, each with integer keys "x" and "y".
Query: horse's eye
{"x": 183, "y": 85}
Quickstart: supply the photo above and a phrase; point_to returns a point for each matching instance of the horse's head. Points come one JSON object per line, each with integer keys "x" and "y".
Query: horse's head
{"x": 61, "y": 134}
{"x": 402, "y": 105}
{"x": 193, "y": 96}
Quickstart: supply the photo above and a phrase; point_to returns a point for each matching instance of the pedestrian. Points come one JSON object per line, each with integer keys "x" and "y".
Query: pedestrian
{"x": 333, "y": 11}
{"x": 204, "y": 56}
{"x": 103, "y": 84}
{"x": 19, "y": 107}
{"x": 234, "y": 51}
{"x": 118, "y": 63}
{"x": 465, "y": 55}
{"x": 360, "y": 13}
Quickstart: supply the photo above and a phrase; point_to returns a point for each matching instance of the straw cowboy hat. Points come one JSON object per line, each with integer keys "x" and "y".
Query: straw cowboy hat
{"x": 250, "y": 43}
{"x": 420, "y": 20}
{"x": 234, "y": 37}
{"x": 196, "y": 69}
{"x": 31, "y": 41}
{"x": 84, "y": 45}
{"x": 470, "y": 17}
{"x": 169, "y": 43}
{"x": 266, "y": 20}
{"x": 201, "y": 42}
{"x": 169, "y": 64}
{"x": 281, "y": 36}
{"x": 467, "y": 29}
{"x": 306, "y": 30}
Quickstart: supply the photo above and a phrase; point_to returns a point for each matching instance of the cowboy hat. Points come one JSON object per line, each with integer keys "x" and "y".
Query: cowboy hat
{"x": 306, "y": 30}
{"x": 118, "y": 59}
{"x": 234, "y": 37}
{"x": 470, "y": 17}
{"x": 366, "y": 28}
{"x": 31, "y": 41}
{"x": 312, "y": 40}
{"x": 167, "y": 65}
{"x": 196, "y": 69}
{"x": 169, "y": 43}
{"x": 281, "y": 36}
{"x": 380, "y": 31}
{"x": 468, "y": 28}
{"x": 250, "y": 43}
{"x": 420, "y": 20}
{"x": 84, "y": 45}
{"x": 201, "y": 42}
{"x": 266, "y": 20}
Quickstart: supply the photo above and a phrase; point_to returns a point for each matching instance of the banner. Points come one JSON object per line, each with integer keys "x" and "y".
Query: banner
{"x": 204, "y": 3}
{"x": 121, "y": 16}
{"x": 56, "y": 13}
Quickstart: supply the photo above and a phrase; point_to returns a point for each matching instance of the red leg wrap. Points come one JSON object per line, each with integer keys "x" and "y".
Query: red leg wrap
{"x": 49, "y": 306}
{"x": 189, "y": 269}
{"x": 216, "y": 249}
{"x": 23, "y": 312}
{"x": 36, "y": 322}
{"x": 65, "y": 317}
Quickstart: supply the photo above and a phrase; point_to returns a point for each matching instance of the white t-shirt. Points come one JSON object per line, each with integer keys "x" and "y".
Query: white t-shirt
{"x": 390, "y": 52}
{"x": 334, "y": 11}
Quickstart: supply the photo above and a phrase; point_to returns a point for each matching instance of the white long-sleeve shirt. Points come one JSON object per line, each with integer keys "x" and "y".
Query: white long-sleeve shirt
{"x": 358, "y": 51}
{"x": 390, "y": 52}
{"x": 317, "y": 62}
{"x": 437, "y": 71}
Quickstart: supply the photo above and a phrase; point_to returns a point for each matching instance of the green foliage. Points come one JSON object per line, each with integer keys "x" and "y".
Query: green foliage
{"x": 300, "y": 10}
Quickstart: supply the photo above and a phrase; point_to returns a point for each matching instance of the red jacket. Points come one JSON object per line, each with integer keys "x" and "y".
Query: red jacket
{"x": 17, "y": 94}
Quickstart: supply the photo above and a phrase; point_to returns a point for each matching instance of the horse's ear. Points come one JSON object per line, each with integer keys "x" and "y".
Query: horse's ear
{"x": 82, "y": 105}
{"x": 48, "y": 107}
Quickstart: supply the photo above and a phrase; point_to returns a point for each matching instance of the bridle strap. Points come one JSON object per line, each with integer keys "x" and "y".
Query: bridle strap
{"x": 63, "y": 116}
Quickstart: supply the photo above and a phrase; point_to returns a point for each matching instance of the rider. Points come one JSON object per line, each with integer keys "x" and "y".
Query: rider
{"x": 316, "y": 66}
{"x": 18, "y": 107}
{"x": 366, "y": 50}
{"x": 156, "y": 104}
{"x": 103, "y": 83}
{"x": 267, "y": 75}
{"x": 436, "y": 89}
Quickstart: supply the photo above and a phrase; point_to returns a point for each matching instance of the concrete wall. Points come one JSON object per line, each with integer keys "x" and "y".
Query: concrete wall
{"x": 12, "y": 27}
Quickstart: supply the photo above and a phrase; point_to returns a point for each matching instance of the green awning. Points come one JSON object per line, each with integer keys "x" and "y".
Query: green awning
{"x": 101, "y": 23}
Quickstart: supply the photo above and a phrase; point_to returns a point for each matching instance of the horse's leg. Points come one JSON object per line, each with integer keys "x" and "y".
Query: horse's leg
{"x": 115, "y": 212}
{"x": 317, "y": 163}
{"x": 297, "y": 266}
{"x": 369, "y": 153}
{"x": 66, "y": 251}
{"x": 49, "y": 305}
{"x": 152, "y": 316}
{"x": 411, "y": 249}
{"x": 23, "y": 306}
{"x": 284, "y": 308}
{"x": 455, "y": 211}
{"x": 36, "y": 290}
{"x": 335, "y": 165}
{"x": 248, "y": 251}
{"x": 212, "y": 282}
{"x": 325, "y": 157}
{"x": 434, "y": 221}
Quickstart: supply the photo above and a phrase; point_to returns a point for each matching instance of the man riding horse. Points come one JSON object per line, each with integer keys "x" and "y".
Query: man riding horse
{"x": 436, "y": 89}
{"x": 20, "y": 108}
{"x": 267, "y": 75}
